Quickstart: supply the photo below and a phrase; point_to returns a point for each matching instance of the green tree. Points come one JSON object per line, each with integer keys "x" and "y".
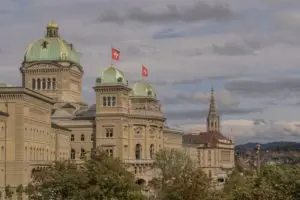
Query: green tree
{"x": 101, "y": 178}
{"x": 178, "y": 178}
{"x": 275, "y": 182}
{"x": 20, "y": 191}
{"x": 8, "y": 192}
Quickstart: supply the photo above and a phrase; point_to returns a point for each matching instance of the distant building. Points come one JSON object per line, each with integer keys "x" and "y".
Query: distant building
{"x": 213, "y": 152}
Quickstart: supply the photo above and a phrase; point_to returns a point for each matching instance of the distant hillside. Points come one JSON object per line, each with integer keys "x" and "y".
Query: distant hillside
{"x": 273, "y": 146}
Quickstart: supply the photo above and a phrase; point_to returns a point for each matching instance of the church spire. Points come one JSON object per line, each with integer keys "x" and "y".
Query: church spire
{"x": 213, "y": 120}
{"x": 212, "y": 105}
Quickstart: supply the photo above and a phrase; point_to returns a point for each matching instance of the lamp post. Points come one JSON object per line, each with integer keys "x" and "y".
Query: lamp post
{"x": 257, "y": 149}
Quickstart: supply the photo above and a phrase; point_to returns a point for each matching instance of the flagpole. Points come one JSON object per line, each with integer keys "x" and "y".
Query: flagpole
{"x": 111, "y": 60}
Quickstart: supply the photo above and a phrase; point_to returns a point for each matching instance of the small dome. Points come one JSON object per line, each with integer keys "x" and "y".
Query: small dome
{"x": 111, "y": 75}
{"x": 143, "y": 89}
{"x": 51, "y": 48}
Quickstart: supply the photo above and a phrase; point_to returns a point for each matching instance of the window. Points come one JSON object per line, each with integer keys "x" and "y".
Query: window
{"x": 49, "y": 83}
{"x": 53, "y": 83}
{"x": 44, "y": 84}
{"x": 33, "y": 84}
{"x": 109, "y": 101}
{"x": 72, "y": 154}
{"x": 72, "y": 137}
{"x": 82, "y": 154}
{"x": 82, "y": 137}
{"x": 209, "y": 156}
{"x": 151, "y": 151}
{"x": 38, "y": 84}
{"x": 209, "y": 174}
{"x": 110, "y": 152}
{"x": 92, "y": 137}
{"x": 109, "y": 132}
{"x": 44, "y": 45}
{"x": 138, "y": 151}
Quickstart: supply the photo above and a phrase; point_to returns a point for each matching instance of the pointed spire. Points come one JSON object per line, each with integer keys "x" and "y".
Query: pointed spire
{"x": 212, "y": 105}
{"x": 213, "y": 120}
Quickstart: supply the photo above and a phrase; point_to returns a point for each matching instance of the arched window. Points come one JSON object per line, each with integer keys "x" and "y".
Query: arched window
{"x": 49, "y": 83}
{"x": 73, "y": 154}
{"x": 72, "y": 137}
{"x": 82, "y": 154}
{"x": 82, "y": 137}
{"x": 53, "y": 83}
{"x": 138, "y": 151}
{"x": 33, "y": 84}
{"x": 44, "y": 84}
{"x": 151, "y": 151}
{"x": 38, "y": 84}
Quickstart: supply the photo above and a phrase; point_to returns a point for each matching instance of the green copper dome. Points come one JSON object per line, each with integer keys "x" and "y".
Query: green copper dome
{"x": 51, "y": 48}
{"x": 111, "y": 75}
{"x": 143, "y": 89}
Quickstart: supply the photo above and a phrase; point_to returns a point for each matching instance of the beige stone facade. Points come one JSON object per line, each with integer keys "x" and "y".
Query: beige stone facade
{"x": 46, "y": 120}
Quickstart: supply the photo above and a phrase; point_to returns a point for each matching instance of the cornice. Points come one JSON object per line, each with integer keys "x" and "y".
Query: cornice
{"x": 26, "y": 91}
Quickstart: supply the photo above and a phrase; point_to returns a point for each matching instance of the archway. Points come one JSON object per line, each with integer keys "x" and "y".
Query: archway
{"x": 140, "y": 181}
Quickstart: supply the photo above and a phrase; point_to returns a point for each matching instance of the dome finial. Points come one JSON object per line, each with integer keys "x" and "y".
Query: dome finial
{"x": 52, "y": 29}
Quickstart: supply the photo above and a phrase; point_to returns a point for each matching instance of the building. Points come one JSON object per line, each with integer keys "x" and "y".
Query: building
{"x": 46, "y": 119}
{"x": 212, "y": 151}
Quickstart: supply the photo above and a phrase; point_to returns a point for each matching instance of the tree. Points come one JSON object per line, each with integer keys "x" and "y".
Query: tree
{"x": 8, "y": 192}
{"x": 20, "y": 191}
{"x": 100, "y": 178}
{"x": 178, "y": 177}
{"x": 275, "y": 182}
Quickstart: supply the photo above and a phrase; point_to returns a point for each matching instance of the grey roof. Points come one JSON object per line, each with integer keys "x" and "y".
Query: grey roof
{"x": 86, "y": 112}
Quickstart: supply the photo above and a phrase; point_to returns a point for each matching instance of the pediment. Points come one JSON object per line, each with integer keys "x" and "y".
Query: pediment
{"x": 68, "y": 105}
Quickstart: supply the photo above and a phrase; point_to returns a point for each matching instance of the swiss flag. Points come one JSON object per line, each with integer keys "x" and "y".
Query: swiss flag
{"x": 144, "y": 71}
{"x": 115, "y": 54}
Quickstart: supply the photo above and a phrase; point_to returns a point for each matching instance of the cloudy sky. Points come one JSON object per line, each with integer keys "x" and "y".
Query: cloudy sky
{"x": 247, "y": 50}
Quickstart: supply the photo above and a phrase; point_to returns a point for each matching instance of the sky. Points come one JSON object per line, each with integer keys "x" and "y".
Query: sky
{"x": 247, "y": 50}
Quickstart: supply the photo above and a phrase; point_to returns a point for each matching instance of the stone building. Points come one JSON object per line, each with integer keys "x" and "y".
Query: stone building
{"x": 211, "y": 150}
{"x": 46, "y": 119}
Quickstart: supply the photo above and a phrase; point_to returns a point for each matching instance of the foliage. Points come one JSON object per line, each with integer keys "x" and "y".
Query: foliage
{"x": 8, "y": 192}
{"x": 20, "y": 191}
{"x": 275, "y": 182}
{"x": 178, "y": 177}
{"x": 100, "y": 178}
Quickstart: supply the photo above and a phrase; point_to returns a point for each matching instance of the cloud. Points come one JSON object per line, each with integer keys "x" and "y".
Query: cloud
{"x": 231, "y": 49}
{"x": 223, "y": 98}
{"x": 197, "y": 12}
{"x": 289, "y": 19}
{"x": 186, "y": 114}
{"x": 289, "y": 86}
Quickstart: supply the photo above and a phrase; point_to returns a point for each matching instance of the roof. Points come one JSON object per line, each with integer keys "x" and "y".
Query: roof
{"x": 56, "y": 126}
{"x": 51, "y": 48}
{"x": 111, "y": 75}
{"x": 206, "y": 138}
{"x": 142, "y": 89}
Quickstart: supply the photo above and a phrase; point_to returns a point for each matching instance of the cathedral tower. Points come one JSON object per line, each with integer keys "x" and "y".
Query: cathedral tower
{"x": 112, "y": 93}
{"x": 51, "y": 66}
{"x": 213, "y": 119}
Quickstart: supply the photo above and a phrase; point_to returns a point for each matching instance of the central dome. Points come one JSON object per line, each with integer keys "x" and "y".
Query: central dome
{"x": 51, "y": 48}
